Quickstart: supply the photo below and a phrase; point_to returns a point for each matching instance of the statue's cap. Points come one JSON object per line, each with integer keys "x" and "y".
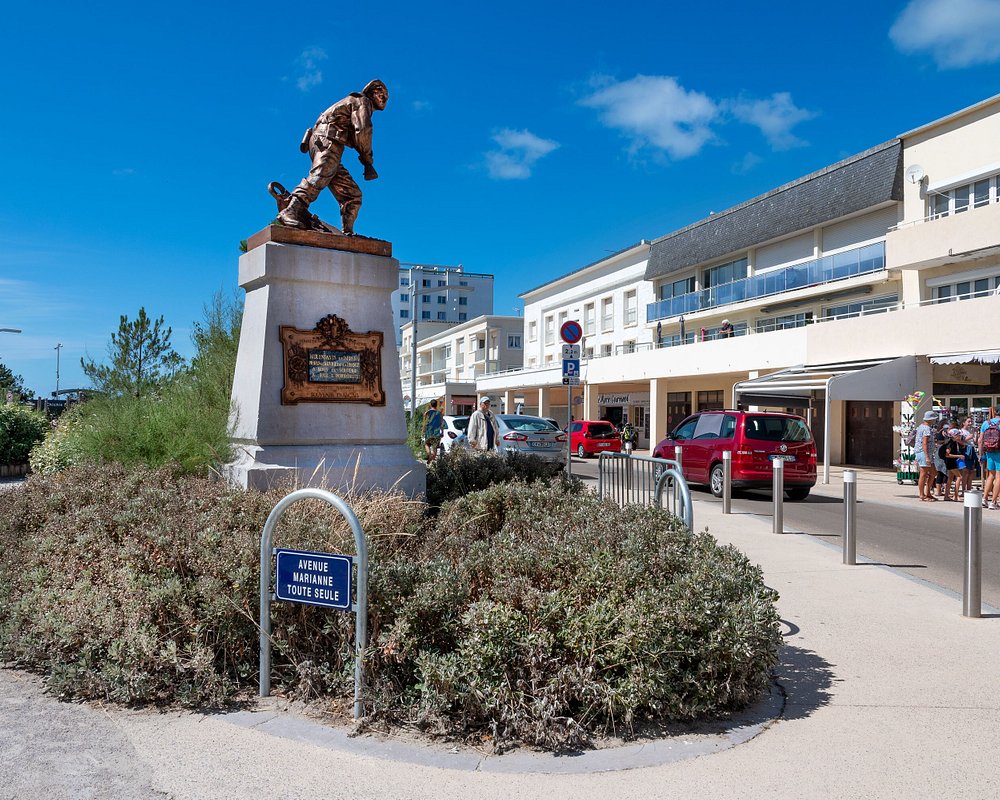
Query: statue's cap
{"x": 372, "y": 86}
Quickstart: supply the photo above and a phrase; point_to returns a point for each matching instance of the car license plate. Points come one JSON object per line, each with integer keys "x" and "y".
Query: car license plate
{"x": 776, "y": 457}
{"x": 604, "y": 444}
{"x": 540, "y": 444}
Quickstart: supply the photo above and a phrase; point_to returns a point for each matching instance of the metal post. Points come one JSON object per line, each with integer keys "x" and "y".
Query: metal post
{"x": 413, "y": 350}
{"x": 850, "y": 516}
{"x": 679, "y": 458}
{"x": 778, "y": 487}
{"x": 972, "y": 587}
{"x": 569, "y": 427}
{"x": 727, "y": 481}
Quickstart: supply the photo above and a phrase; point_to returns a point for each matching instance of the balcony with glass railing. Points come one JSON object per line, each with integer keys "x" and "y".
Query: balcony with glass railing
{"x": 849, "y": 264}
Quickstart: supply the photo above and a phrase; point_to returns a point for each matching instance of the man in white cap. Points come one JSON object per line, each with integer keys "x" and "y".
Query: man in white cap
{"x": 483, "y": 432}
{"x": 726, "y": 330}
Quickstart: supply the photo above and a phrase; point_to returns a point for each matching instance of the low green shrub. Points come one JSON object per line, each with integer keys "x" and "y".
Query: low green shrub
{"x": 21, "y": 428}
{"x": 62, "y": 446}
{"x": 526, "y": 613}
{"x": 461, "y": 471}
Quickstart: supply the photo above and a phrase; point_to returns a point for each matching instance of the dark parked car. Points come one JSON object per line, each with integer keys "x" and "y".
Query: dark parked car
{"x": 755, "y": 439}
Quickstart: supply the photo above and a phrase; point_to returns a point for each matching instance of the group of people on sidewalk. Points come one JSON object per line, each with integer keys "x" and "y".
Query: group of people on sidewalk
{"x": 950, "y": 458}
{"x": 483, "y": 431}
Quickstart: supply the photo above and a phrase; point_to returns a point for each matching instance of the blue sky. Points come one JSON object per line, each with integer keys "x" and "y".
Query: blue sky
{"x": 524, "y": 139}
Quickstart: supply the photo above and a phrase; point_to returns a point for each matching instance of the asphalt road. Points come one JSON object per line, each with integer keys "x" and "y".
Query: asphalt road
{"x": 925, "y": 540}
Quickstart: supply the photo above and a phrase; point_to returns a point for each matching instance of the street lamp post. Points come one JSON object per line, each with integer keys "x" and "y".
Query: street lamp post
{"x": 58, "y": 349}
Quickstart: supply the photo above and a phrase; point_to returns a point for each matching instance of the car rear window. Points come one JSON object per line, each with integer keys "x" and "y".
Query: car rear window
{"x": 602, "y": 430}
{"x": 461, "y": 423}
{"x": 516, "y": 422}
{"x": 776, "y": 429}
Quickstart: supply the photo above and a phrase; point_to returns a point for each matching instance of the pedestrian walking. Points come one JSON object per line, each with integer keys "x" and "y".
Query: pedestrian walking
{"x": 923, "y": 445}
{"x": 483, "y": 431}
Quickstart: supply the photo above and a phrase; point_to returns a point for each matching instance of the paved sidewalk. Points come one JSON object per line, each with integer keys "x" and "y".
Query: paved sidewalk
{"x": 891, "y": 693}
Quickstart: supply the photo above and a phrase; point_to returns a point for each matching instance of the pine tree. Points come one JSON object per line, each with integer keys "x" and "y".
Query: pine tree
{"x": 9, "y": 382}
{"x": 141, "y": 358}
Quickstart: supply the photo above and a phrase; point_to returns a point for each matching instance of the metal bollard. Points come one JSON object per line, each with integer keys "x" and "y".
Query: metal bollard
{"x": 678, "y": 457}
{"x": 727, "y": 481}
{"x": 778, "y": 487}
{"x": 850, "y": 516}
{"x": 972, "y": 585}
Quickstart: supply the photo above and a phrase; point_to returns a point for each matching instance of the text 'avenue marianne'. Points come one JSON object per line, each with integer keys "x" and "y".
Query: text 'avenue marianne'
{"x": 310, "y": 584}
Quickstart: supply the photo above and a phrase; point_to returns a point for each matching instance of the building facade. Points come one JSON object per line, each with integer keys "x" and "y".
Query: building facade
{"x": 845, "y": 291}
{"x": 443, "y": 294}
{"x": 451, "y": 357}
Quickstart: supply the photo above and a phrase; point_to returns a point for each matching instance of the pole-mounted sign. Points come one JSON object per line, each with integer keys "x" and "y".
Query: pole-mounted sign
{"x": 571, "y": 331}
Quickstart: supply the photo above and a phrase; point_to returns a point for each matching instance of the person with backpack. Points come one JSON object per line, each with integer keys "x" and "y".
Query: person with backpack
{"x": 629, "y": 437}
{"x": 989, "y": 450}
{"x": 433, "y": 423}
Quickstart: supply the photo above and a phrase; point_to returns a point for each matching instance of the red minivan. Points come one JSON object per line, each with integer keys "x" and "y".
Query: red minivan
{"x": 590, "y": 437}
{"x": 755, "y": 439}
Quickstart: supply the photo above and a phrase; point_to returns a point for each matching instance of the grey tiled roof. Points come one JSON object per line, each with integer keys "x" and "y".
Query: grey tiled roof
{"x": 854, "y": 184}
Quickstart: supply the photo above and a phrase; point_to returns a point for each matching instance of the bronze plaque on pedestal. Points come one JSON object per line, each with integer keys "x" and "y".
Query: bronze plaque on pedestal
{"x": 332, "y": 364}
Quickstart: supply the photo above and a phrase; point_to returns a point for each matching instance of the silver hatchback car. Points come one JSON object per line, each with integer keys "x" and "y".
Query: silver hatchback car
{"x": 531, "y": 435}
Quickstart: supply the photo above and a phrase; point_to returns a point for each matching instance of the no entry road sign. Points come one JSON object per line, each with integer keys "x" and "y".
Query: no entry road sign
{"x": 316, "y": 579}
{"x": 571, "y": 331}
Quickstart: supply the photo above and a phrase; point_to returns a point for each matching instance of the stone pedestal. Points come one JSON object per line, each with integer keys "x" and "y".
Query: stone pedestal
{"x": 334, "y": 445}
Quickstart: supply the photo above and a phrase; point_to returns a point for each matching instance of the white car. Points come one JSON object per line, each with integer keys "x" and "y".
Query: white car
{"x": 453, "y": 433}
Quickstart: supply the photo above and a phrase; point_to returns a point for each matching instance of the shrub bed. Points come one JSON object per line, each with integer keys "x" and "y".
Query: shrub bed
{"x": 526, "y": 613}
{"x": 21, "y": 428}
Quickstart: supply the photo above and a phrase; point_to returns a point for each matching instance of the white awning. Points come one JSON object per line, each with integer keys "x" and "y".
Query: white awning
{"x": 876, "y": 379}
{"x": 980, "y": 357}
{"x": 797, "y": 387}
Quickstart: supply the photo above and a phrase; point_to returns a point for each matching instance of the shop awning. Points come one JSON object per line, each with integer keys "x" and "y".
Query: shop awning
{"x": 979, "y": 357}
{"x": 796, "y": 387}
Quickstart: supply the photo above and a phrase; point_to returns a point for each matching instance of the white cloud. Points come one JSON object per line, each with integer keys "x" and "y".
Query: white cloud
{"x": 519, "y": 152}
{"x": 775, "y": 116}
{"x": 957, "y": 33}
{"x": 746, "y": 164}
{"x": 656, "y": 111}
{"x": 308, "y": 62}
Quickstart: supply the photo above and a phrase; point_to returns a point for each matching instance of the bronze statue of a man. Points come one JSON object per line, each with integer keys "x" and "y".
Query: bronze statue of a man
{"x": 347, "y": 123}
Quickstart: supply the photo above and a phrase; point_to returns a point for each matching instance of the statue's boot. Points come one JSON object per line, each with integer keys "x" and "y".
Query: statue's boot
{"x": 295, "y": 214}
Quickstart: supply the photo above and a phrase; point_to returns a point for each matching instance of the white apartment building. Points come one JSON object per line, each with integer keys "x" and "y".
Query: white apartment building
{"x": 842, "y": 288}
{"x": 443, "y": 294}
{"x": 451, "y": 357}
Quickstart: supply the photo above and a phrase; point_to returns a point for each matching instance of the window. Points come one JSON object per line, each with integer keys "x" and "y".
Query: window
{"x": 442, "y": 283}
{"x": 404, "y": 281}
{"x": 960, "y": 199}
{"x": 607, "y": 314}
{"x": 550, "y": 330}
{"x": 404, "y": 313}
{"x": 605, "y": 350}
{"x": 677, "y": 288}
{"x": 725, "y": 273}
{"x": 589, "y": 352}
{"x": 442, "y": 299}
{"x": 863, "y": 307}
{"x": 463, "y": 283}
{"x": 631, "y": 308}
{"x": 462, "y": 316}
{"x": 463, "y": 301}
{"x": 711, "y": 400}
{"x": 562, "y": 318}
{"x": 442, "y": 316}
{"x": 589, "y": 319}
{"x": 514, "y": 341}
{"x": 739, "y": 329}
{"x": 532, "y": 331}
{"x": 425, "y": 315}
{"x": 425, "y": 282}
{"x": 964, "y": 289}
{"x": 628, "y": 346}
{"x": 783, "y": 322}
{"x": 404, "y": 298}
{"x": 426, "y": 298}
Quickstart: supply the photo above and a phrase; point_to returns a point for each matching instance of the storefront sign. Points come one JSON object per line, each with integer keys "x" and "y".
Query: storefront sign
{"x": 624, "y": 399}
{"x": 971, "y": 374}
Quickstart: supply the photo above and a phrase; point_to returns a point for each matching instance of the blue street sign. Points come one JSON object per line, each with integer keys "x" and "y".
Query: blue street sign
{"x": 316, "y": 579}
{"x": 571, "y": 368}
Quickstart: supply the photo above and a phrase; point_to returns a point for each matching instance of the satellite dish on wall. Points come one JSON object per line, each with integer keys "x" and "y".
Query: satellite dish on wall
{"x": 914, "y": 173}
